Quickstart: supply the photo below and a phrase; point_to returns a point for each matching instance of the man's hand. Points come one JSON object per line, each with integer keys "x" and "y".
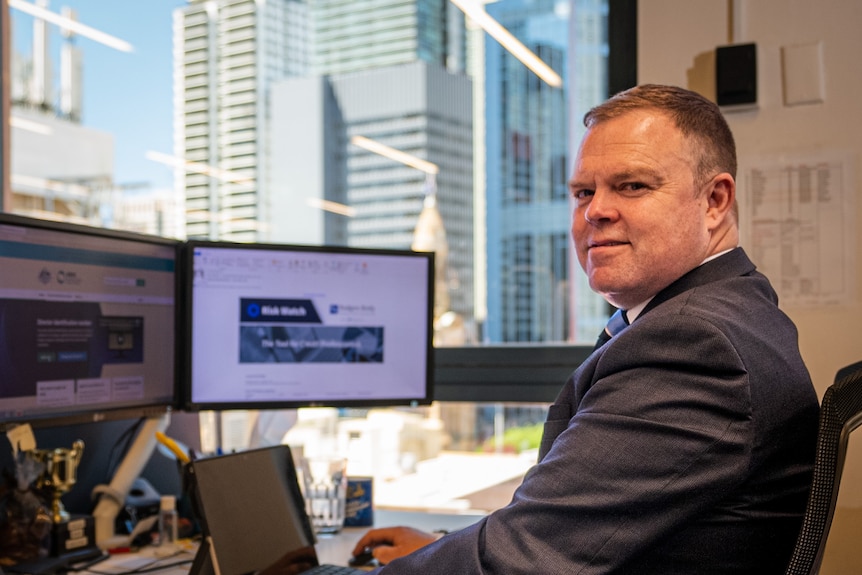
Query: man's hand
{"x": 390, "y": 543}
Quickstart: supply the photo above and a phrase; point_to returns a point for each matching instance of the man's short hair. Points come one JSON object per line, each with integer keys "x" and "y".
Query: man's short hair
{"x": 697, "y": 118}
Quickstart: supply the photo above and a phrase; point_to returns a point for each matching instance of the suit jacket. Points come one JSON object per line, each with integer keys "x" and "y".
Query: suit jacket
{"x": 683, "y": 445}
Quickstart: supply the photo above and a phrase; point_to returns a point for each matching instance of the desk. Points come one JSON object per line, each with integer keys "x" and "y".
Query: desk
{"x": 334, "y": 549}
{"x": 156, "y": 560}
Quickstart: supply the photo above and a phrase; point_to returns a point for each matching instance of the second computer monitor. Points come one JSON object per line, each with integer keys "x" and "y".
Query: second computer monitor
{"x": 87, "y": 323}
{"x": 272, "y": 326}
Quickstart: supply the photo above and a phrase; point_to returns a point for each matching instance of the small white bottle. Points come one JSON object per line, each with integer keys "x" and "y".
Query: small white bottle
{"x": 168, "y": 520}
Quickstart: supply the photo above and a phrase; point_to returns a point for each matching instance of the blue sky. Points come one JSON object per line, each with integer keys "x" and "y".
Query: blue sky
{"x": 126, "y": 94}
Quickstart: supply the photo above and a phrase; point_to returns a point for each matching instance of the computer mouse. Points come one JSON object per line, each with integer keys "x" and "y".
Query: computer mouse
{"x": 364, "y": 558}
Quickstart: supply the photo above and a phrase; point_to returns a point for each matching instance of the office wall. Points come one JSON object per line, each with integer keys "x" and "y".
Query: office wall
{"x": 676, "y": 45}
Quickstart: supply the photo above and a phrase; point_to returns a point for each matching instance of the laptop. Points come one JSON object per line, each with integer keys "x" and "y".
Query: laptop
{"x": 252, "y": 516}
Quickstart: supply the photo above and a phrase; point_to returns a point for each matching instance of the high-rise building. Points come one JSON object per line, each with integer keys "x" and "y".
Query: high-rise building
{"x": 270, "y": 93}
{"x": 588, "y": 68}
{"x": 398, "y": 73}
{"x": 357, "y": 35}
{"x": 531, "y": 276}
{"x": 228, "y": 54}
{"x": 417, "y": 108}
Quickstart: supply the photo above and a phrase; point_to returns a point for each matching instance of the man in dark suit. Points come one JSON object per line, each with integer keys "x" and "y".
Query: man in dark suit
{"x": 685, "y": 443}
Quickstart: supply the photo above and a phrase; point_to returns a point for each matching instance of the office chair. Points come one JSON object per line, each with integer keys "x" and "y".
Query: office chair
{"x": 840, "y": 413}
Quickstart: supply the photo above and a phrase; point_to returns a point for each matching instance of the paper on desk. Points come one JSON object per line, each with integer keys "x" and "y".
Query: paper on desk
{"x": 149, "y": 558}
{"x": 22, "y": 439}
{"x": 130, "y": 563}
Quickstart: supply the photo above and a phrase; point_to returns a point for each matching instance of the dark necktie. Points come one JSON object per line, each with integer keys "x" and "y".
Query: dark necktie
{"x": 615, "y": 324}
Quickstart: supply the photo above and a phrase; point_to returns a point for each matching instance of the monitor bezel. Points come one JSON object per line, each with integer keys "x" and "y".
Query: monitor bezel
{"x": 186, "y": 384}
{"x": 91, "y": 414}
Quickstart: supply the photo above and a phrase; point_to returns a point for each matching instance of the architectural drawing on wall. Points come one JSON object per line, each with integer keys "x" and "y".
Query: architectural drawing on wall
{"x": 798, "y": 222}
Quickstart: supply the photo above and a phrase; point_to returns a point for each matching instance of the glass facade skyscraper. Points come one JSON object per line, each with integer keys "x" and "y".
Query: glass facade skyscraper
{"x": 389, "y": 70}
{"x": 532, "y": 277}
{"x": 397, "y": 71}
{"x": 356, "y": 35}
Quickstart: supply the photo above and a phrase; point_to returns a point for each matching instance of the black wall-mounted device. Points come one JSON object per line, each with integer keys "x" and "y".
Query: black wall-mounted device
{"x": 736, "y": 74}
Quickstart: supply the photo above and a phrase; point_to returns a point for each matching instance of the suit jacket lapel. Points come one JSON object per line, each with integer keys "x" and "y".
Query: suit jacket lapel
{"x": 731, "y": 264}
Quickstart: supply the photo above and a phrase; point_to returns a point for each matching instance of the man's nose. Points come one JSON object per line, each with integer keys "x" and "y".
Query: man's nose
{"x": 601, "y": 207}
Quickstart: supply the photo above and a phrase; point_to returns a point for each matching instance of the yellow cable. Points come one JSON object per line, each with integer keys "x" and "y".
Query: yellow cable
{"x": 172, "y": 445}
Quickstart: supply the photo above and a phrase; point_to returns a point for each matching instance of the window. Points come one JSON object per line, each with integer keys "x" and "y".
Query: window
{"x": 227, "y": 117}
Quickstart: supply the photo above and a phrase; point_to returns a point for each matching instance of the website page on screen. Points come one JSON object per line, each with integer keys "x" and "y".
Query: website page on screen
{"x": 86, "y": 322}
{"x": 272, "y": 325}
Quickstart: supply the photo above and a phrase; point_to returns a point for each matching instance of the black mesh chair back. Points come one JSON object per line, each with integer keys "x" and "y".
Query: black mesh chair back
{"x": 840, "y": 413}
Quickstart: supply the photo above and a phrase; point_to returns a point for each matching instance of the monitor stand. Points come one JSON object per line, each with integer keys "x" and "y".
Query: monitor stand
{"x": 112, "y": 497}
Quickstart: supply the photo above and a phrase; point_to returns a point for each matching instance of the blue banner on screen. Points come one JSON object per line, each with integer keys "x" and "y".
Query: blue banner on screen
{"x": 278, "y": 311}
{"x": 311, "y": 344}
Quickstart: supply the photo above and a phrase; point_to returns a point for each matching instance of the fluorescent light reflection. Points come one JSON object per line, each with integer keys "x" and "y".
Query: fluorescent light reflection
{"x": 330, "y": 206}
{"x": 197, "y": 167}
{"x": 30, "y": 126}
{"x": 393, "y": 154}
{"x": 64, "y": 189}
{"x": 71, "y": 25}
{"x": 494, "y": 29}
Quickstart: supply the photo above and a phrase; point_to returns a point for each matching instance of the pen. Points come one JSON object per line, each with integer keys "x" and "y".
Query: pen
{"x": 181, "y": 455}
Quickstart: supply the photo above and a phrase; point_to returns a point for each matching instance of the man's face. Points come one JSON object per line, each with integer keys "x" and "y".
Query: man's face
{"x": 639, "y": 223}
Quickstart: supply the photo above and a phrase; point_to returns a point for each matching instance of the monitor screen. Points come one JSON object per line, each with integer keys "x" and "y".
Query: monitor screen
{"x": 87, "y": 323}
{"x": 275, "y": 326}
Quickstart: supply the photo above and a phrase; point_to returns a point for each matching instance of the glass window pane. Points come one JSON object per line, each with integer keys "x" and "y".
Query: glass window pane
{"x": 250, "y": 120}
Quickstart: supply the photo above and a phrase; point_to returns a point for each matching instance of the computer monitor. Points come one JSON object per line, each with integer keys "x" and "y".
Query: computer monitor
{"x": 277, "y": 326}
{"x": 87, "y": 323}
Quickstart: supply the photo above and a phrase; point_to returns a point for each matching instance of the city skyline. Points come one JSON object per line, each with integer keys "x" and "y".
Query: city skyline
{"x": 218, "y": 109}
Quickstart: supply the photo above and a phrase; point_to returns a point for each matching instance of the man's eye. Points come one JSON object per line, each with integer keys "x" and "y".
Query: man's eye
{"x": 582, "y": 194}
{"x": 633, "y": 186}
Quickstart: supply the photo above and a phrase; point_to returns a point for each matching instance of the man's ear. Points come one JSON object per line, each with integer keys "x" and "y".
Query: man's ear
{"x": 721, "y": 200}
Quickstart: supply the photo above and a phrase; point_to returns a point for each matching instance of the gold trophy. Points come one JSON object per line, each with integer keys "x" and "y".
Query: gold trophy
{"x": 58, "y": 475}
